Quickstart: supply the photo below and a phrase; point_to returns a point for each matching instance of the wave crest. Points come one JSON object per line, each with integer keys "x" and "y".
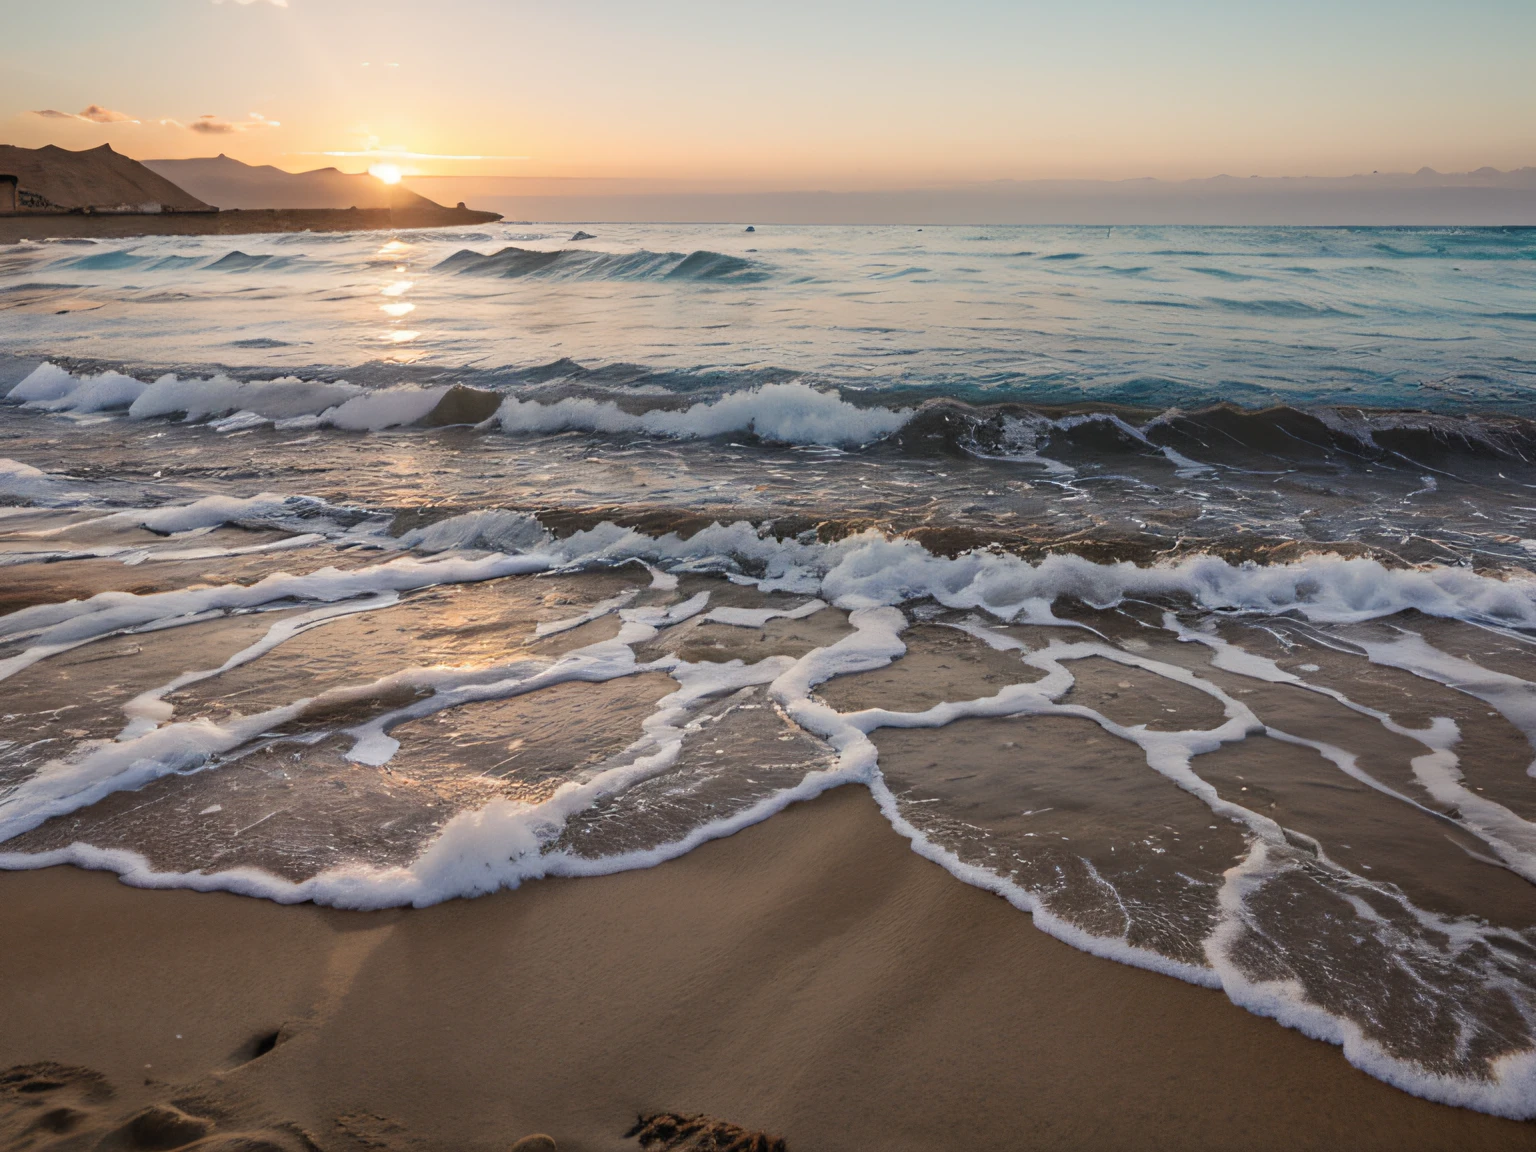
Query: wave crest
{"x": 512, "y": 262}
{"x": 787, "y": 413}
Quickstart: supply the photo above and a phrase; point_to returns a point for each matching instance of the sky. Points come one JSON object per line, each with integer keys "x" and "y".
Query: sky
{"x": 742, "y": 94}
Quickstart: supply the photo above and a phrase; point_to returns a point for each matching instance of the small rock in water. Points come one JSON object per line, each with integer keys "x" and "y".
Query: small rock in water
{"x": 583, "y": 236}
{"x": 538, "y": 1142}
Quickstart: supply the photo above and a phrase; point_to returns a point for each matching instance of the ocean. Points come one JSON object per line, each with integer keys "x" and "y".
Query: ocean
{"x": 1174, "y": 584}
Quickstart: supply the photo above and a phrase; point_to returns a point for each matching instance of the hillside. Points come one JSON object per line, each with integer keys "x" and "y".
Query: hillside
{"x": 225, "y": 181}
{"x": 98, "y": 179}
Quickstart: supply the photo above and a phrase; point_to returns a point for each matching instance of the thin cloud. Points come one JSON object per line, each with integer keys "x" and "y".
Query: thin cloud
{"x": 92, "y": 114}
{"x": 218, "y": 126}
{"x": 96, "y": 114}
{"x": 208, "y": 125}
{"x": 397, "y": 154}
{"x": 213, "y": 126}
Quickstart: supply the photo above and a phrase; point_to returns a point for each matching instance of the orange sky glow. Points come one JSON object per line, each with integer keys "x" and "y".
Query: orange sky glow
{"x": 832, "y": 95}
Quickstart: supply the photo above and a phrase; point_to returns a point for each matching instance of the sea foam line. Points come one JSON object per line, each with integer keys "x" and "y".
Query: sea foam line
{"x": 501, "y": 844}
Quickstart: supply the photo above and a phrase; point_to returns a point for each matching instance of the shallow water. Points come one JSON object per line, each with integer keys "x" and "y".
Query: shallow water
{"x": 1246, "y": 696}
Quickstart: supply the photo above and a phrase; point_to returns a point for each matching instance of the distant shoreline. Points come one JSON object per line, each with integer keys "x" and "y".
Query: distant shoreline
{"x": 234, "y": 222}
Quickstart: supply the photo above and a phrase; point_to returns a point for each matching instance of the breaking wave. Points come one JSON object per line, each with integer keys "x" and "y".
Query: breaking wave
{"x": 794, "y": 412}
{"x": 790, "y": 413}
{"x": 576, "y": 264}
{"x": 786, "y": 413}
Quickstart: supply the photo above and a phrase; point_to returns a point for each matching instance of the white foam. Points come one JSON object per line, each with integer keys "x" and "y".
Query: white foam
{"x": 1512, "y": 838}
{"x": 24, "y": 482}
{"x": 494, "y": 529}
{"x": 1512, "y": 697}
{"x": 790, "y": 413}
{"x": 757, "y": 617}
{"x": 145, "y": 753}
{"x": 51, "y": 389}
{"x": 148, "y": 710}
{"x": 384, "y": 408}
{"x": 233, "y": 405}
{"x": 596, "y": 612}
{"x": 596, "y": 663}
{"x": 217, "y": 396}
{"x": 869, "y": 569}
{"x": 55, "y": 628}
{"x": 666, "y": 616}
{"x": 131, "y": 556}
{"x": 104, "y": 393}
{"x": 505, "y": 843}
{"x": 45, "y": 382}
{"x": 876, "y": 641}
{"x": 661, "y": 581}
{"x": 266, "y": 509}
{"x": 875, "y": 570}
{"x": 1511, "y": 1090}
{"x": 496, "y": 846}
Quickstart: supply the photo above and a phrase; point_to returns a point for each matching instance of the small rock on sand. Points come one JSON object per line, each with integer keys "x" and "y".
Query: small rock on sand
{"x": 538, "y": 1142}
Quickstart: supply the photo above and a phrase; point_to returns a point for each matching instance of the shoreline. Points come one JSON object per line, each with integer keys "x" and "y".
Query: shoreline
{"x": 810, "y": 976}
{"x": 232, "y": 222}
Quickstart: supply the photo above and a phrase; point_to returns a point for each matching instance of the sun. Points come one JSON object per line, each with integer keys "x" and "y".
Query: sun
{"x": 389, "y": 173}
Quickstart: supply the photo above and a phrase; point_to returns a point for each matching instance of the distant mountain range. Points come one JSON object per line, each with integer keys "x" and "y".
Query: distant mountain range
{"x": 225, "y": 181}
{"x": 104, "y": 181}
{"x": 1486, "y": 196}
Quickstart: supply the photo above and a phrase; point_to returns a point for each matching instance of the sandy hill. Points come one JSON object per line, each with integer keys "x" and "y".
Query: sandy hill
{"x": 97, "y": 178}
{"x": 228, "y": 183}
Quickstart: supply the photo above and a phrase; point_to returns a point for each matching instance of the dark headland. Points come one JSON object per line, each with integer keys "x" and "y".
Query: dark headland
{"x": 98, "y": 193}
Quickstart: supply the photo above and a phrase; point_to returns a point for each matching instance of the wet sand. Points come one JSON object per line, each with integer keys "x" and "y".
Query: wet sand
{"x": 810, "y": 977}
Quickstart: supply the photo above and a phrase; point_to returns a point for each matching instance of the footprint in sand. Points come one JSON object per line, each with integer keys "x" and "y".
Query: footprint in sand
{"x": 49, "y": 1106}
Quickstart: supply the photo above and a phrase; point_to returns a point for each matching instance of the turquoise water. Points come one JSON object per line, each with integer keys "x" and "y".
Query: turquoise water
{"x": 1441, "y": 319}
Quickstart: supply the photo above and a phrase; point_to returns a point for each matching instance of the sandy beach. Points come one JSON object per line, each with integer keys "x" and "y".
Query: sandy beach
{"x": 810, "y": 977}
